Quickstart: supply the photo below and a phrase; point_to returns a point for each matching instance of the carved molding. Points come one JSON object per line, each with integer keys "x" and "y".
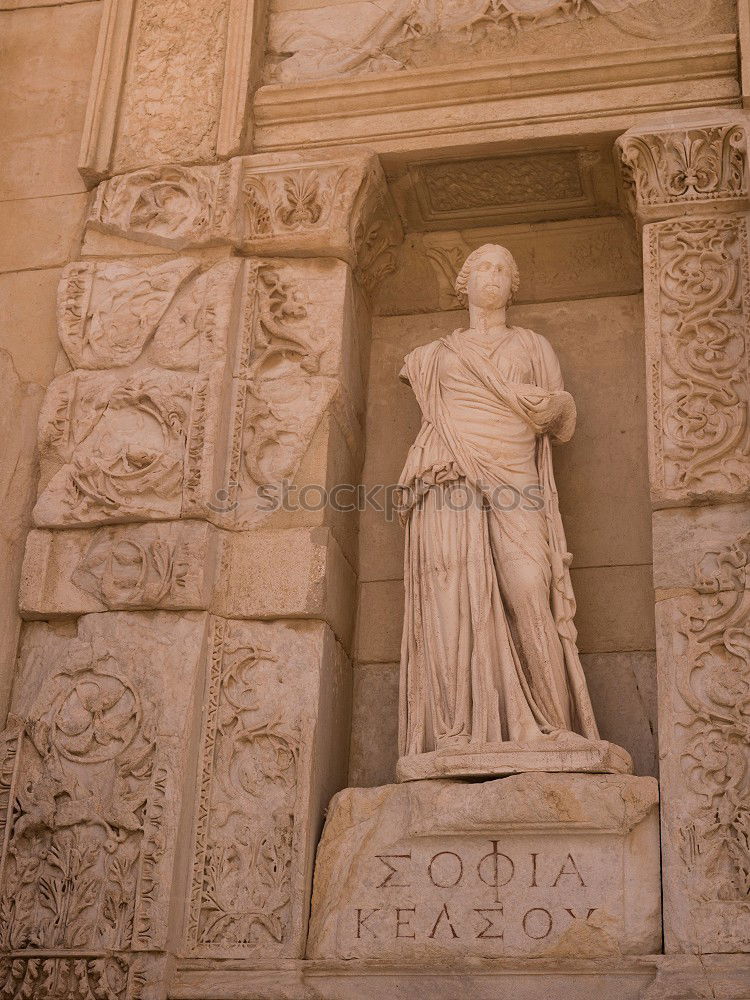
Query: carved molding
{"x": 698, "y": 309}
{"x": 671, "y": 171}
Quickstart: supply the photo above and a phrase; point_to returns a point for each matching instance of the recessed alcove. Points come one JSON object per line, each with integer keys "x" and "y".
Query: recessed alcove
{"x": 581, "y": 287}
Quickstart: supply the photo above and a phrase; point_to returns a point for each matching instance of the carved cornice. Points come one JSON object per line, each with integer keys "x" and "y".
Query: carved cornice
{"x": 685, "y": 167}
{"x": 266, "y": 205}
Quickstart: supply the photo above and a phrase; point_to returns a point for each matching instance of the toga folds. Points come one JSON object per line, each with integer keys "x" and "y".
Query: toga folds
{"x": 489, "y": 650}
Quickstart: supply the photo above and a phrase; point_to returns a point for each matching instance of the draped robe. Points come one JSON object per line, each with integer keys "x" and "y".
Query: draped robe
{"x": 471, "y": 672}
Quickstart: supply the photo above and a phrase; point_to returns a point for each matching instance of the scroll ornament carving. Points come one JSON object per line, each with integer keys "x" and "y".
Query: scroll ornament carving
{"x": 244, "y": 854}
{"x": 135, "y": 571}
{"x": 77, "y": 775}
{"x": 690, "y": 165}
{"x": 699, "y": 358}
{"x": 715, "y": 757}
{"x": 284, "y": 391}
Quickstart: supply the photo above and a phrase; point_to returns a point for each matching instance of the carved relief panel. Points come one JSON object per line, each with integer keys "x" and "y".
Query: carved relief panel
{"x": 298, "y": 361}
{"x": 135, "y": 431}
{"x": 95, "y": 759}
{"x": 698, "y": 311}
{"x": 274, "y": 690}
{"x": 704, "y": 729}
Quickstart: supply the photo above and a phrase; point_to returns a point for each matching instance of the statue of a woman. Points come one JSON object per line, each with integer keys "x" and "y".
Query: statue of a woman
{"x": 491, "y": 680}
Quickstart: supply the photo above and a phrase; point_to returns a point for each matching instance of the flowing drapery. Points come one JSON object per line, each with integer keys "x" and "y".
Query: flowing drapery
{"x": 489, "y": 646}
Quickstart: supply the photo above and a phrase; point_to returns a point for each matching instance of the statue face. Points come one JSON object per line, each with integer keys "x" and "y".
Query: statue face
{"x": 490, "y": 280}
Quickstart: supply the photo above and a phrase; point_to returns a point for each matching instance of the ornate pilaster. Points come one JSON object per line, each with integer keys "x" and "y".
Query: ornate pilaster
{"x": 184, "y": 675}
{"x": 686, "y": 182}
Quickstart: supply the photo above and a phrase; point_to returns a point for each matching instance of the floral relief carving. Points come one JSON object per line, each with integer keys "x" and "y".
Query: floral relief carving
{"x": 71, "y": 851}
{"x": 245, "y": 849}
{"x": 700, "y": 164}
{"x": 291, "y": 200}
{"x": 470, "y": 189}
{"x": 714, "y": 727}
{"x": 122, "y": 445}
{"x": 699, "y": 358}
{"x": 142, "y": 569}
{"x": 176, "y": 62}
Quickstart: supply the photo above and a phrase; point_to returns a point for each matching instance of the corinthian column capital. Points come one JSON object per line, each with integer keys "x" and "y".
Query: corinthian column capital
{"x": 685, "y": 165}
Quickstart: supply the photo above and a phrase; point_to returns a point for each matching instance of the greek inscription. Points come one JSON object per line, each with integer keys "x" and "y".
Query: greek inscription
{"x": 436, "y": 925}
{"x": 447, "y": 879}
{"x": 362, "y": 921}
{"x": 533, "y": 923}
{"x": 393, "y": 870}
{"x": 401, "y": 923}
{"x": 490, "y": 925}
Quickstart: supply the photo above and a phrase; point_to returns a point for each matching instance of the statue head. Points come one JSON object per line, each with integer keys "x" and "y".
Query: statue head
{"x": 489, "y": 278}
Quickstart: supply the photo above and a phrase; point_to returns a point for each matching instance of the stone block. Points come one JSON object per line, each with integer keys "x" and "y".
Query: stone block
{"x": 96, "y": 760}
{"x": 47, "y": 56}
{"x": 40, "y": 232}
{"x": 532, "y": 866}
{"x": 374, "y": 745}
{"x": 287, "y": 573}
{"x": 168, "y": 565}
{"x": 28, "y": 330}
{"x": 615, "y": 608}
{"x": 139, "y": 429}
{"x": 274, "y": 749}
{"x": 689, "y": 541}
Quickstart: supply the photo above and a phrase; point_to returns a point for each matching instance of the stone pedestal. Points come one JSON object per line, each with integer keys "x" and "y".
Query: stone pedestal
{"x": 569, "y": 753}
{"x": 530, "y": 866}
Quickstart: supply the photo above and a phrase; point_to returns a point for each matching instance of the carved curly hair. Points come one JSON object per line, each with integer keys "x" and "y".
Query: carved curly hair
{"x": 462, "y": 280}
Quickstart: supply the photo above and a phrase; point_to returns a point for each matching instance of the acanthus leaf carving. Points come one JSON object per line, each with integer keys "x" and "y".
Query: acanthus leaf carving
{"x": 666, "y": 170}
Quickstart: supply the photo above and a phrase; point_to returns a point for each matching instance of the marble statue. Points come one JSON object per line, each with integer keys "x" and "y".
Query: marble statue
{"x": 491, "y": 680}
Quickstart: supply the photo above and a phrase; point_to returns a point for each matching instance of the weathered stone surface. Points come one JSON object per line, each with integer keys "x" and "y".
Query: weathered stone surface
{"x": 96, "y": 759}
{"x": 139, "y": 429}
{"x": 18, "y": 470}
{"x": 287, "y": 573}
{"x": 167, "y": 565}
{"x": 438, "y": 870}
{"x": 273, "y": 751}
{"x": 704, "y": 675}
